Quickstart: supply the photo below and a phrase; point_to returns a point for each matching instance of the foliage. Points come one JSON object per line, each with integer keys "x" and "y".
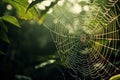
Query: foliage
{"x": 21, "y": 6}
{"x": 21, "y": 45}
{"x": 4, "y": 29}
{"x": 24, "y": 10}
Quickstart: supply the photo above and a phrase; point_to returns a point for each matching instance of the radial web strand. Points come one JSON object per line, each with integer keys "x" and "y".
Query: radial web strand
{"x": 87, "y": 40}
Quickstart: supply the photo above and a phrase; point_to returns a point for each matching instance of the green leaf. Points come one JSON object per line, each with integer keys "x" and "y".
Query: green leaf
{"x": 11, "y": 19}
{"x": 43, "y": 12}
{"x": 115, "y": 77}
{"x": 33, "y": 4}
{"x": 3, "y": 36}
{"x": 3, "y": 26}
{"x": 21, "y": 6}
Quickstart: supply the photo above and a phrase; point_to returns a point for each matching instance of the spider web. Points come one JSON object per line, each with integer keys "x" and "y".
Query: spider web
{"x": 88, "y": 43}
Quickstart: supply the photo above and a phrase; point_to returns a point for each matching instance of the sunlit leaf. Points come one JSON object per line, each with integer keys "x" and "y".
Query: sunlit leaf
{"x": 21, "y": 6}
{"x": 11, "y": 19}
{"x": 3, "y": 36}
{"x": 3, "y": 26}
{"x": 116, "y": 77}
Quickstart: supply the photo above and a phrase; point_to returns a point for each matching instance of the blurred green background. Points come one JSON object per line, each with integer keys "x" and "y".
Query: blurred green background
{"x": 31, "y": 53}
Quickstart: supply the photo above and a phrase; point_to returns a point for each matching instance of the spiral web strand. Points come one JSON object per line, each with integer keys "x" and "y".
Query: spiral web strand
{"x": 88, "y": 44}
